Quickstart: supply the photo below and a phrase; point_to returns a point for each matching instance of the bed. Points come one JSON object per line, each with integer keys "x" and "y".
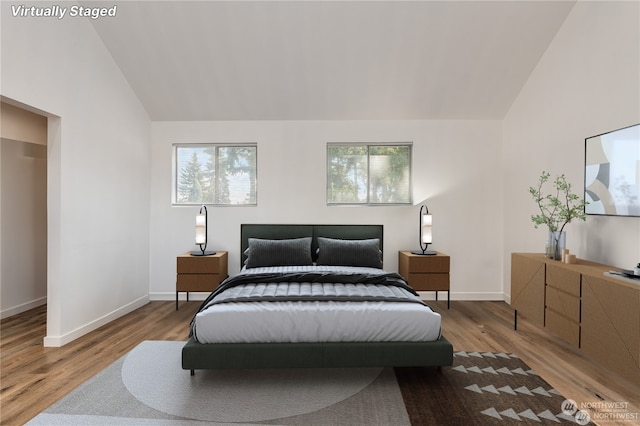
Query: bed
{"x": 332, "y": 285}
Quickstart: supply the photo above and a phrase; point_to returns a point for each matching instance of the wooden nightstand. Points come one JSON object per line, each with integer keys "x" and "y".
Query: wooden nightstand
{"x": 200, "y": 273}
{"x": 426, "y": 272}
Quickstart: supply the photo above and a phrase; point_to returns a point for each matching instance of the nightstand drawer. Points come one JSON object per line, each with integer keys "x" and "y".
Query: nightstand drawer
{"x": 198, "y": 282}
{"x": 417, "y": 264}
{"x": 200, "y": 264}
{"x": 428, "y": 282}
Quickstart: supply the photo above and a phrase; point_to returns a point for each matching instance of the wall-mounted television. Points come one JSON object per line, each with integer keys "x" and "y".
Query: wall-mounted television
{"x": 612, "y": 173}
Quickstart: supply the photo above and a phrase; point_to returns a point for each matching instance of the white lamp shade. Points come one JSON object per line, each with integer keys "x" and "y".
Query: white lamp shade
{"x": 201, "y": 229}
{"x": 427, "y": 238}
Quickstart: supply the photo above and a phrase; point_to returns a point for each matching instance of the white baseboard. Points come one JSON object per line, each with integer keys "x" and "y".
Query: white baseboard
{"x": 57, "y": 341}
{"x": 164, "y": 296}
{"x": 23, "y": 308}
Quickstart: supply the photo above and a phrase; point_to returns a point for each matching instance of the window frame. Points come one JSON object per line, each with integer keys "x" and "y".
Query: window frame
{"x": 175, "y": 172}
{"x": 368, "y": 146}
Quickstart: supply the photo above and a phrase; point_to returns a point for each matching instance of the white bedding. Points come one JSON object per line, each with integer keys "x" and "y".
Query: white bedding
{"x": 313, "y": 321}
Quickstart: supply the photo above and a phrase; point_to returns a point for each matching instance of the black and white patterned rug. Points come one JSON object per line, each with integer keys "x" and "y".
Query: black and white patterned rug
{"x": 483, "y": 388}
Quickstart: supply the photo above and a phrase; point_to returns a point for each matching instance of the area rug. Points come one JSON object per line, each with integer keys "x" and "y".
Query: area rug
{"x": 149, "y": 387}
{"x": 483, "y": 388}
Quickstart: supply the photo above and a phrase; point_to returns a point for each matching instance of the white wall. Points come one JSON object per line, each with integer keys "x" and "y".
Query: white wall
{"x": 456, "y": 168}
{"x": 473, "y": 174}
{"x": 98, "y": 169}
{"x": 586, "y": 83}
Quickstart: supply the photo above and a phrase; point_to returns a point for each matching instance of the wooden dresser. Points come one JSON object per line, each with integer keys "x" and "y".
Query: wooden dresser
{"x": 581, "y": 303}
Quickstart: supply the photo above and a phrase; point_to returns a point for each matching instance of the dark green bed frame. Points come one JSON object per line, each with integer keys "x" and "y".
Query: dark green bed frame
{"x": 198, "y": 356}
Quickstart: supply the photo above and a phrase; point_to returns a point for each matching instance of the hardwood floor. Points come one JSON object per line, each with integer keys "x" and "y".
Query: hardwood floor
{"x": 33, "y": 377}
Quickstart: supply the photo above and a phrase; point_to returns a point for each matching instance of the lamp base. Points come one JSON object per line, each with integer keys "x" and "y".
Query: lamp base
{"x": 201, "y": 253}
{"x": 424, "y": 253}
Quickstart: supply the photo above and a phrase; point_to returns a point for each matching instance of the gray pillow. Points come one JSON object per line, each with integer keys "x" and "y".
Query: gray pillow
{"x": 294, "y": 251}
{"x": 335, "y": 252}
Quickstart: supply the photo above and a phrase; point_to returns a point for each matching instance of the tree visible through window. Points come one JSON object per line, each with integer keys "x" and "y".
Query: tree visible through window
{"x": 215, "y": 174}
{"x": 368, "y": 173}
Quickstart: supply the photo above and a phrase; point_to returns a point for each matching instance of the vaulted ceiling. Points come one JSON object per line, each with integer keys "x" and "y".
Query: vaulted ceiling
{"x": 333, "y": 60}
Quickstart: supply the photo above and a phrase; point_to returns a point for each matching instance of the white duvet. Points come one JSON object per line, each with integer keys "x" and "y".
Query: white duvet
{"x": 314, "y": 321}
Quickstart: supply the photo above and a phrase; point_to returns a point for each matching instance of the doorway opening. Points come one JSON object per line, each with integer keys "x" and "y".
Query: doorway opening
{"x": 23, "y": 208}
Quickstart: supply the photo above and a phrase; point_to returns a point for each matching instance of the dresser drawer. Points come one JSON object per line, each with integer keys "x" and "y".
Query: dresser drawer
{"x": 566, "y": 303}
{"x": 564, "y": 279}
{"x": 567, "y": 329}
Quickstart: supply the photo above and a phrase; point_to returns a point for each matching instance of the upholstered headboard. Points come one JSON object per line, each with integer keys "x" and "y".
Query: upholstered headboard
{"x": 281, "y": 232}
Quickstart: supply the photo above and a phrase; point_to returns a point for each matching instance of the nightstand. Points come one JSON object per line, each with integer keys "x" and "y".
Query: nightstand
{"x": 200, "y": 273}
{"x": 426, "y": 272}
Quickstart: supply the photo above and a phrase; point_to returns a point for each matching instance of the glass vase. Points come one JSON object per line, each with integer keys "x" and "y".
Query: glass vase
{"x": 556, "y": 242}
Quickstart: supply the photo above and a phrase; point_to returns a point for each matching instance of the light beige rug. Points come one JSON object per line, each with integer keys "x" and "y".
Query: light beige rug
{"x": 149, "y": 387}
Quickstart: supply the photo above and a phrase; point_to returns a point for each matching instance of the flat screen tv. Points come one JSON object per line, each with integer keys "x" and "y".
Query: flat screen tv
{"x": 612, "y": 173}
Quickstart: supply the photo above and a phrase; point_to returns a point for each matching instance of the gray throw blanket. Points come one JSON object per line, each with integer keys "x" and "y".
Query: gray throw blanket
{"x": 309, "y": 286}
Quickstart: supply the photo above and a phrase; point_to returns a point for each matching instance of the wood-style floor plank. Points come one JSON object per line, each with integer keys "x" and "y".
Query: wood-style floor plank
{"x": 33, "y": 377}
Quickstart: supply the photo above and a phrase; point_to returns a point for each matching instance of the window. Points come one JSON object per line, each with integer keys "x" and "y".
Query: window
{"x": 214, "y": 174}
{"x": 368, "y": 173}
